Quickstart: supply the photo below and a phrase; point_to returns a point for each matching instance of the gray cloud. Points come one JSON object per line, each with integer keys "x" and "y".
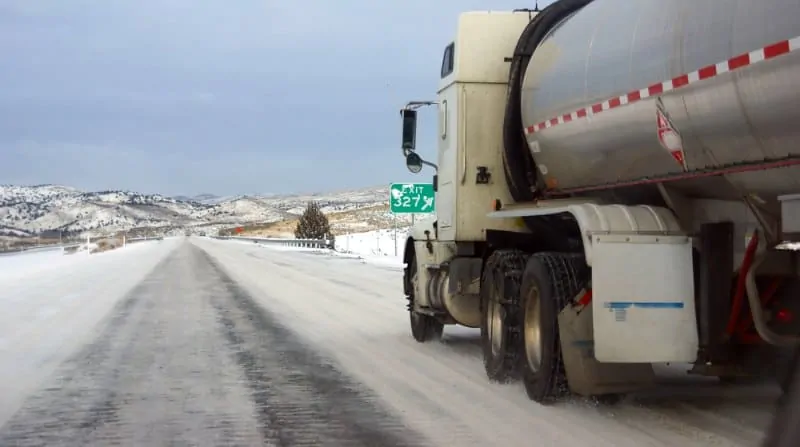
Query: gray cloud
{"x": 188, "y": 96}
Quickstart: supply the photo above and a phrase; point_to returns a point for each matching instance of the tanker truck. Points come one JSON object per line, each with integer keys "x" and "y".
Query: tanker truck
{"x": 617, "y": 187}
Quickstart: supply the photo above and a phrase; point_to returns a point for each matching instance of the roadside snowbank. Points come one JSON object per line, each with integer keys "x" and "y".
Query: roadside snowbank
{"x": 383, "y": 247}
{"x": 375, "y": 247}
{"x": 30, "y": 264}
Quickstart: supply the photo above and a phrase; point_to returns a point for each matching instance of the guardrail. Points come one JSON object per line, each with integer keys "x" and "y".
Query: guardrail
{"x": 37, "y": 248}
{"x": 66, "y": 245}
{"x": 132, "y": 240}
{"x": 307, "y": 243}
{"x": 142, "y": 239}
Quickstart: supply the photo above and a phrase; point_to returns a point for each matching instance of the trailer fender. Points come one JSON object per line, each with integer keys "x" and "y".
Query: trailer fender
{"x": 601, "y": 219}
{"x": 642, "y": 279}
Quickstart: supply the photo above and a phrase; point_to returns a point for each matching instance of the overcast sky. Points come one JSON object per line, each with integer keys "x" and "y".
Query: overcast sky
{"x": 220, "y": 96}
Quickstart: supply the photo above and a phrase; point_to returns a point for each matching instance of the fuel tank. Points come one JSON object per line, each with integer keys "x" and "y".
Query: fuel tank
{"x": 628, "y": 92}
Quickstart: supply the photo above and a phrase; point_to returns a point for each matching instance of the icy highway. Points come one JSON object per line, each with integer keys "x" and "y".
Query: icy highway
{"x": 195, "y": 341}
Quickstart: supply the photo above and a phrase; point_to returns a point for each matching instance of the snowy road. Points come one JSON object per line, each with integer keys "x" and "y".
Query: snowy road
{"x": 206, "y": 342}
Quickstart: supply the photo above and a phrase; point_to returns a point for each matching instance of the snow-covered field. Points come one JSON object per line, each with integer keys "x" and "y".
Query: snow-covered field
{"x": 27, "y": 263}
{"x": 384, "y": 247}
{"x": 345, "y": 313}
{"x": 40, "y": 261}
{"x": 379, "y": 246}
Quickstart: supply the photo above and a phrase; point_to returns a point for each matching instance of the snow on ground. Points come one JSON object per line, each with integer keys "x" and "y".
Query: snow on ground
{"x": 384, "y": 247}
{"x": 25, "y": 263}
{"x": 385, "y": 244}
{"x": 50, "y": 302}
{"x": 355, "y": 313}
{"x": 48, "y": 207}
{"x": 36, "y": 262}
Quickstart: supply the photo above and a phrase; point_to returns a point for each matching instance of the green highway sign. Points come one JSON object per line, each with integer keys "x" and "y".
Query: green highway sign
{"x": 412, "y": 198}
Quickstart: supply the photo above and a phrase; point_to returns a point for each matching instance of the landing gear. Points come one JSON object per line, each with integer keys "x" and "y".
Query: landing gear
{"x": 550, "y": 280}
{"x": 499, "y": 304}
{"x": 424, "y": 328}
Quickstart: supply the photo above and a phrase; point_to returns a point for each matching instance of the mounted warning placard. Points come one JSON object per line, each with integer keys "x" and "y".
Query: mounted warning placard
{"x": 668, "y": 136}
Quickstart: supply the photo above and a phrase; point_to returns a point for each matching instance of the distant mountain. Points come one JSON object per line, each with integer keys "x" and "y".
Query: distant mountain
{"x": 202, "y": 198}
{"x": 30, "y": 210}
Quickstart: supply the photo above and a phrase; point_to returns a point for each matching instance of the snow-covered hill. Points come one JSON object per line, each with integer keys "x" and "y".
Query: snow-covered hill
{"x": 29, "y": 210}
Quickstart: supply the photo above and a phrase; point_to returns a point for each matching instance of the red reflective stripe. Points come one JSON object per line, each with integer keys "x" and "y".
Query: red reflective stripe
{"x": 743, "y": 60}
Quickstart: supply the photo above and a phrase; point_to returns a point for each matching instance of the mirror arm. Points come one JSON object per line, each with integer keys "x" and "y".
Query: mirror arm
{"x": 432, "y": 165}
{"x": 414, "y": 105}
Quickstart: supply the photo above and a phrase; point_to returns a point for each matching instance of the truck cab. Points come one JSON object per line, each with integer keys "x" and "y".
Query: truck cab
{"x": 470, "y": 104}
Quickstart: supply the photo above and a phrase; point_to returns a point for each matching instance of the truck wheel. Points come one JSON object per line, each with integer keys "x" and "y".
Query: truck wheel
{"x": 550, "y": 280}
{"x": 424, "y": 328}
{"x": 499, "y": 306}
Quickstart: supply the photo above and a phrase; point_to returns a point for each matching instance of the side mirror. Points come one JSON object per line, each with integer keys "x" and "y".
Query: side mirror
{"x": 409, "y": 130}
{"x": 414, "y": 162}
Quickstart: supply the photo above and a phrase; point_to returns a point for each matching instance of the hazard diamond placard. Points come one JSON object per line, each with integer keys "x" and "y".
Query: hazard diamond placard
{"x": 668, "y": 136}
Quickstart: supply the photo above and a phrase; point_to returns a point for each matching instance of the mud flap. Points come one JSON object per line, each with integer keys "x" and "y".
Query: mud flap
{"x": 585, "y": 375}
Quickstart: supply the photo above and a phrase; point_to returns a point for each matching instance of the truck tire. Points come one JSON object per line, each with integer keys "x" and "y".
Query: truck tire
{"x": 424, "y": 328}
{"x": 549, "y": 282}
{"x": 500, "y": 283}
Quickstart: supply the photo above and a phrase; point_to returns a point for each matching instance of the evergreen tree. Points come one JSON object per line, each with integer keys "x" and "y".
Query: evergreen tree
{"x": 313, "y": 224}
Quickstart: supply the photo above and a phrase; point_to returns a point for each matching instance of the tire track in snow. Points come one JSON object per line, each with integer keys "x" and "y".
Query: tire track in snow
{"x": 187, "y": 358}
{"x": 311, "y": 403}
{"x": 449, "y": 400}
{"x": 701, "y": 418}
